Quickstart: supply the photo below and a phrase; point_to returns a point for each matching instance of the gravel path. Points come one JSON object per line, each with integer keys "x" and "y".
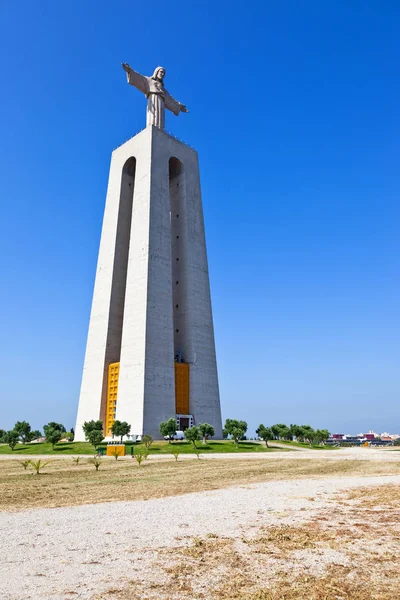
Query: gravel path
{"x": 295, "y": 453}
{"x": 66, "y": 553}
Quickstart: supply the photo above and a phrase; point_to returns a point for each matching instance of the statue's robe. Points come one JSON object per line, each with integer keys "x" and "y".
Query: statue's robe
{"x": 157, "y": 98}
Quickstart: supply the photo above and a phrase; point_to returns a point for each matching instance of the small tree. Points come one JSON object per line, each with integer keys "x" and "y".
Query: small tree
{"x": 225, "y": 434}
{"x": 308, "y": 434}
{"x": 236, "y": 429}
{"x": 35, "y": 434}
{"x": 265, "y": 433}
{"x": 25, "y": 463}
{"x": 38, "y": 465}
{"x": 76, "y": 460}
{"x": 206, "y": 431}
{"x": 140, "y": 456}
{"x": 281, "y": 431}
{"x": 192, "y": 434}
{"x": 147, "y": 440}
{"x": 297, "y": 431}
{"x": 120, "y": 428}
{"x": 95, "y": 461}
{"x": 285, "y": 434}
{"x": 95, "y": 437}
{"x": 175, "y": 452}
{"x": 53, "y": 436}
{"x": 2, "y": 434}
{"x": 115, "y": 452}
{"x": 23, "y": 429}
{"x": 11, "y": 438}
{"x": 89, "y": 426}
{"x": 168, "y": 429}
{"x": 53, "y": 432}
{"x": 320, "y": 436}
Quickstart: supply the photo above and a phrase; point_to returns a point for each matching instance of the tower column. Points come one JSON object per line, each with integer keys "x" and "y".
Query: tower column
{"x": 152, "y": 300}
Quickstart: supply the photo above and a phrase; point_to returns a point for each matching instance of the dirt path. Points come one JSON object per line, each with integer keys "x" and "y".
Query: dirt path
{"x": 77, "y": 552}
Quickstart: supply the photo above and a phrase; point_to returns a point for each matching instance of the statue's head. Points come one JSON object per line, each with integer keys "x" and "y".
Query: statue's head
{"x": 159, "y": 74}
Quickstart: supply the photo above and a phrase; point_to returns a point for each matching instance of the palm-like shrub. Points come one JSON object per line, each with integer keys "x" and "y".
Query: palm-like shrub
{"x": 116, "y": 452}
{"x": 25, "y": 463}
{"x": 95, "y": 461}
{"x": 38, "y": 465}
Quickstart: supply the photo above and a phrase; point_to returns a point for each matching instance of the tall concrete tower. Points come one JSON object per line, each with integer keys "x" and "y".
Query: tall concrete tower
{"x": 150, "y": 351}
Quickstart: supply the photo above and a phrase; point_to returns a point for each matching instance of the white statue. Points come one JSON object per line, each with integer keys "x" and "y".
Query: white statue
{"x": 157, "y": 96}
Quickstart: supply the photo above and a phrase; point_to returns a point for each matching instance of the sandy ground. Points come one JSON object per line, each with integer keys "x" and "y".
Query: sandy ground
{"x": 82, "y": 551}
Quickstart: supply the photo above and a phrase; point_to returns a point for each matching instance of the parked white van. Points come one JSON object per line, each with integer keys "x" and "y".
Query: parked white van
{"x": 179, "y": 435}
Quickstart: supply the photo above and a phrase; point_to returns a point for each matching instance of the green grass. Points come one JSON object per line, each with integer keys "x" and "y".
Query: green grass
{"x": 211, "y": 447}
{"x": 304, "y": 445}
{"x": 62, "y": 448}
{"x": 156, "y": 448}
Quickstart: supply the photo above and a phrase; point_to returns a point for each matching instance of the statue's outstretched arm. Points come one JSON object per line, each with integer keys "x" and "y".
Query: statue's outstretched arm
{"x": 139, "y": 81}
{"x": 173, "y": 105}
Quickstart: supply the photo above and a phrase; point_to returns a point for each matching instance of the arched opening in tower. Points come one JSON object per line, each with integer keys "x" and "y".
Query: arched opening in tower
{"x": 180, "y": 299}
{"x": 117, "y": 300}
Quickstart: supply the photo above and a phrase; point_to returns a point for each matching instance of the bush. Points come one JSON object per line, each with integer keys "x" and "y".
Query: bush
{"x": 95, "y": 461}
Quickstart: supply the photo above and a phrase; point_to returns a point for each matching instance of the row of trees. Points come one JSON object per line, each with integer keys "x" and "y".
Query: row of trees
{"x": 22, "y": 432}
{"x": 302, "y": 433}
{"x": 93, "y": 431}
{"x": 193, "y": 434}
{"x": 234, "y": 429}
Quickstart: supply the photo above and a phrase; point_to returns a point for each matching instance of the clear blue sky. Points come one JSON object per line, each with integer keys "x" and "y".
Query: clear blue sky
{"x": 294, "y": 110}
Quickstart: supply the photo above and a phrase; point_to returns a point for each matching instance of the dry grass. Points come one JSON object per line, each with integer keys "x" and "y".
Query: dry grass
{"x": 285, "y": 562}
{"x": 385, "y": 496}
{"x": 64, "y": 483}
{"x": 283, "y": 539}
{"x": 338, "y": 583}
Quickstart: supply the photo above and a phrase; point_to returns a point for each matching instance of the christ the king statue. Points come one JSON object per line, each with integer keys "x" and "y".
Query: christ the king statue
{"x": 157, "y": 96}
